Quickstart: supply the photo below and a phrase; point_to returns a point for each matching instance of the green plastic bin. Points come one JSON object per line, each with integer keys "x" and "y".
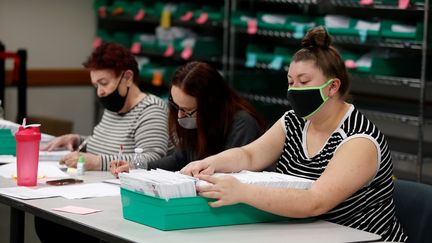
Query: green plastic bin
{"x": 189, "y": 212}
{"x": 7, "y": 142}
{"x": 389, "y": 32}
{"x": 239, "y": 18}
{"x": 262, "y": 24}
{"x": 352, "y": 30}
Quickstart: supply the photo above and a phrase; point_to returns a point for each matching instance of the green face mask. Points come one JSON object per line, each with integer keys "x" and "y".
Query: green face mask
{"x": 308, "y": 100}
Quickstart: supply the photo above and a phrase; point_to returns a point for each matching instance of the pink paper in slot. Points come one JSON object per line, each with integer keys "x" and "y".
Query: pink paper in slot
{"x": 366, "y": 2}
{"x": 187, "y": 16}
{"x": 252, "y": 26}
{"x": 403, "y": 4}
{"x": 136, "y": 48}
{"x": 202, "y": 19}
{"x": 140, "y": 15}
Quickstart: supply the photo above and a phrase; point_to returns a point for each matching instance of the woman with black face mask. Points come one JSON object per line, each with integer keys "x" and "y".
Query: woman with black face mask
{"x": 206, "y": 116}
{"x": 132, "y": 119}
{"x": 323, "y": 138}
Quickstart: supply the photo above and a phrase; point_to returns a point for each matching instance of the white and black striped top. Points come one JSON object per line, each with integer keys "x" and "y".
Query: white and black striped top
{"x": 371, "y": 208}
{"x": 144, "y": 126}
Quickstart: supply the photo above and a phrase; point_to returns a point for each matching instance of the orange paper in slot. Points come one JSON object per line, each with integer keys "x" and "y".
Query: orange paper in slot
{"x": 157, "y": 78}
{"x": 117, "y": 11}
{"x": 140, "y": 15}
{"x": 136, "y": 48}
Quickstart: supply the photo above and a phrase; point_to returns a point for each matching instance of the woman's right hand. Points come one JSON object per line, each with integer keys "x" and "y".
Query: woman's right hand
{"x": 198, "y": 167}
{"x": 118, "y": 166}
{"x": 68, "y": 141}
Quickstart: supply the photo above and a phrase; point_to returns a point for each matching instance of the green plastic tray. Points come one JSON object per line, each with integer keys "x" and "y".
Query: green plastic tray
{"x": 387, "y": 32}
{"x": 189, "y": 212}
{"x": 7, "y": 142}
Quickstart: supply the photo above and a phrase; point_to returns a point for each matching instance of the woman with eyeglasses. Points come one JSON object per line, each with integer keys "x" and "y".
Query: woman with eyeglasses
{"x": 132, "y": 118}
{"x": 206, "y": 116}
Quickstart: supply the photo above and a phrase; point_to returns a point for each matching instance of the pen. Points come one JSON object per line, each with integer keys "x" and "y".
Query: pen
{"x": 120, "y": 152}
{"x": 81, "y": 146}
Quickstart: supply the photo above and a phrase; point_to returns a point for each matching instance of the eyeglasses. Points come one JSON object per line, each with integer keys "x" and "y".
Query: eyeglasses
{"x": 175, "y": 106}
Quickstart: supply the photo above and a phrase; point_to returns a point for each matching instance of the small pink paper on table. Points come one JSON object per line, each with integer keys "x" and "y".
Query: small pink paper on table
{"x": 77, "y": 210}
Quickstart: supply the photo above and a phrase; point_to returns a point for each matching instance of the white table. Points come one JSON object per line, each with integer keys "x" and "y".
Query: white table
{"x": 110, "y": 226}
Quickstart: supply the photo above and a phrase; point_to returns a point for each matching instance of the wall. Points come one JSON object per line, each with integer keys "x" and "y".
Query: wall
{"x": 57, "y": 35}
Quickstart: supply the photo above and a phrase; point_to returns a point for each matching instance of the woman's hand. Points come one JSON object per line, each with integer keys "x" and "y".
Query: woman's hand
{"x": 198, "y": 167}
{"x": 118, "y": 166}
{"x": 226, "y": 189}
{"x": 68, "y": 141}
{"x": 92, "y": 162}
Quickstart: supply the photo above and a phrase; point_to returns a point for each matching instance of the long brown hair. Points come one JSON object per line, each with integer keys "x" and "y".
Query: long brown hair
{"x": 217, "y": 104}
{"x": 317, "y": 47}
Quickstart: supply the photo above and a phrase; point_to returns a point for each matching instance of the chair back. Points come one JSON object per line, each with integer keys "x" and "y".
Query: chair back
{"x": 413, "y": 203}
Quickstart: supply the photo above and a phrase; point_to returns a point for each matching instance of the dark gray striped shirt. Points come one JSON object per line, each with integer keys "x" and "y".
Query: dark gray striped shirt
{"x": 145, "y": 126}
{"x": 371, "y": 208}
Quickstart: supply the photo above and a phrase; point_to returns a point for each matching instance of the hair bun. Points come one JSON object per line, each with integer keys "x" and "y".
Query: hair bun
{"x": 316, "y": 37}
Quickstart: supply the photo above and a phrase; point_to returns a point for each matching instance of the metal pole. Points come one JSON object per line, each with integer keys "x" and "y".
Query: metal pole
{"x": 2, "y": 76}
{"x": 419, "y": 164}
{"x": 22, "y": 85}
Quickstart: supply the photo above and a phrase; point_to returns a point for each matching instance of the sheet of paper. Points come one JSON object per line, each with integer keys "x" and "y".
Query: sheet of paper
{"x": 52, "y": 155}
{"x": 113, "y": 181}
{"x": 45, "y": 169}
{"x": 22, "y": 192}
{"x": 336, "y": 21}
{"x": 401, "y": 28}
{"x": 14, "y": 127}
{"x": 77, "y": 210}
{"x": 83, "y": 191}
{"x": 366, "y": 25}
{"x": 6, "y": 159}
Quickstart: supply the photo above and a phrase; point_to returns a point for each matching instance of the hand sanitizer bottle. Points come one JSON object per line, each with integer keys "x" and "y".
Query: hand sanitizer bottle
{"x": 138, "y": 162}
{"x": 80, "y": 165}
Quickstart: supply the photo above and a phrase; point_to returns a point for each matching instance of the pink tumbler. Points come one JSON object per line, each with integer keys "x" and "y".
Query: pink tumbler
{"x": 27, "y": 153}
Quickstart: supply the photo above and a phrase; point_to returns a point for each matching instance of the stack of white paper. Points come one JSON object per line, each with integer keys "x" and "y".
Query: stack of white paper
{"x": 159, "y": 183}
{"x": 267, "y": 179}
{"x": 165, "y": 184}
{"x": 55, "y": 155}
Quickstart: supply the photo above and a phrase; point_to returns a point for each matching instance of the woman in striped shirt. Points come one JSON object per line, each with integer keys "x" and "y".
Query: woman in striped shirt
{"x": 132, "y": 119}
{"x": 324, "y": 139}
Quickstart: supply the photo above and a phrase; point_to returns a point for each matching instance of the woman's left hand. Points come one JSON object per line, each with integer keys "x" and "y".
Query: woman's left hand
{"x": 226, "y": 189}
{"x": 92, "y": 162}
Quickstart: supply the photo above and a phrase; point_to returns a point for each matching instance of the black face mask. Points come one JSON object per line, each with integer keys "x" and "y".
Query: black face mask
{"x": 307, "y": 101}
{"x": 114, "y": 102}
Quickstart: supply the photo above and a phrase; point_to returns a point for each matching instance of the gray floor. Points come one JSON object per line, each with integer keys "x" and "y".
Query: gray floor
{"x": 30, "y": 234}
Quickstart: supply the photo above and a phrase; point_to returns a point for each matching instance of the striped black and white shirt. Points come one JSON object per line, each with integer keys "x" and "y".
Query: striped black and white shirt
{"x": 371, "y": 208}
{"x": 144, "y": 126}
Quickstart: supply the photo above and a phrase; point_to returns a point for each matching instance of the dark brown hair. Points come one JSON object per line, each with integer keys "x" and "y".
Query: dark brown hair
{"x": 317, "y": 47}
{"x": 217, "y": 104}
{"x": 114, "y": 57}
